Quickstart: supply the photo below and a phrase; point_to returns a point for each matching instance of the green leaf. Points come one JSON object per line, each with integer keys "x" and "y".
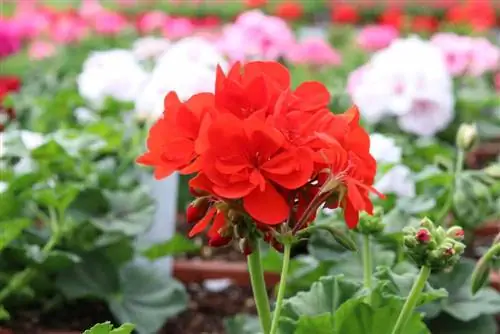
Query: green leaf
{"x": 95, "y": 276}
{"x": 400, "y": 286}
{"x": 446, "y": 324}
{"x": 356, "y": 317}
{"x": 416, "y": 205}
{"x": 131, "y": 212}
{"x": 137, "y": 292}
{"x": 11, "y": 229}
{"x": 461, "y": 303}
{"x": 108, "y": 328}
{"x": 320, "y": 324}
{"x": 60, "y": 197}
{"x": 147, "y": 298}
{"x": 325, "y": 296}
{"x": 4, "y": 315}
{"x": 178, "y": 244}
{"x": 242, "y": 324}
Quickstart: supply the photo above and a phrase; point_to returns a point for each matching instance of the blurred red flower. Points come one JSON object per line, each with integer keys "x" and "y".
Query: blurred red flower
{"x": 392, "y": 16}
{"x": 289, "y": 10}
{"x": 344, "y": 13}
{"x": 480, "y": 15}
{"x": 8, "y": 84}
{"x": 255, "y": 3}
{"x": 424, "y": 23}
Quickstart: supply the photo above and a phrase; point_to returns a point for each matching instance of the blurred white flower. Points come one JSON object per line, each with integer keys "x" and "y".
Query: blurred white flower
{"x": 150, "y": 47}
{"x": 112, "y": 73}
{"x": 398, "y": 180}
{"x": 3, "y": 186}
{"x": 384, "y": 149}
{"x": 188, "y": 67}
{"x": 409, "y": 79}
{"x": 30, "y": 140}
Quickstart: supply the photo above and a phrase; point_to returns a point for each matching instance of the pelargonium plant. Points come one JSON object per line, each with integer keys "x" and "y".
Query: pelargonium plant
{"x": 265, "y": 158}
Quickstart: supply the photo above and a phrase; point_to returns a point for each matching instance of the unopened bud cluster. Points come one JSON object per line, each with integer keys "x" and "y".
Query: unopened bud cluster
{"x": 371, "y": 225}
{"x": 434, "y": 246}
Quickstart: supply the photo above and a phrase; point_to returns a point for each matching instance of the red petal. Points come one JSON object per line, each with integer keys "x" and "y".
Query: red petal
{"x": 219, "y": 222}
{"x": 351, "y": 215}
{"x": 234, "y": 190}
{"x": 274, "y": 70}
{"x": 312, "y": 95}
{"x": 203, "y": 223}
{"x": 268, "y": 207}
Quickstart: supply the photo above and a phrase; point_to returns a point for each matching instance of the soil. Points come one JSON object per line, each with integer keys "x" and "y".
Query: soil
{"x": 205, "y": 314}
{"x": 207, "y": 310}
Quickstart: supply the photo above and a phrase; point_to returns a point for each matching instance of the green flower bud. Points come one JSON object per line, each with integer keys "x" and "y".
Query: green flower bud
{"x": 428, "y": 224}
{"x": 466, "y": 136}
{"x": 410, "y": 241}
{"x": 493, "y": 171}
{"x": 371, "y": 225}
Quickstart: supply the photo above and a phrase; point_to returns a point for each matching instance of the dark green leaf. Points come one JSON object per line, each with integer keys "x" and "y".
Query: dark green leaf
{"x": 446, "y": 324}
{"x": 11, "y": 229}
{"x": 320, "y": 324}
{"x": 4, "y": 315}
{"x": 178, "y": 244}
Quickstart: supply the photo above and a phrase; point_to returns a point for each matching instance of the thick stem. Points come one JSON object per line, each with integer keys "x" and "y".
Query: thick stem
{"x": 259, "y": 289}
{"x": 411, "y": 300}
{"x": 367, "y": 262}
{"x": 282, "y": 288}
{"x": 459, "y": 163}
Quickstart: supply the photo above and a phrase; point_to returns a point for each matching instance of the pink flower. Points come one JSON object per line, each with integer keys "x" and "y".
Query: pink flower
{"x": 467, "y": 55}
{"x": 178, "y": 27}
{"x": 485, "y": 57}
{"x": 9, "y": 42}
{"x": 314, "y": 51}
{"x": 109, "y": 23}
{"x": 376, "y": 37}
{"x": 456, "y": 50}
{"x": 41, "y": 49}
{"x": 152, "y": 21}
{"x": 30, "y": 24}
{"x": 67, "y": 29}
{"x": 90, "y": 8}
{"x": 255, "y": 35}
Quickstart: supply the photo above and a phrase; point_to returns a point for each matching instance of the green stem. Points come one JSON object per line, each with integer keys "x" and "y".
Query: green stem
{"x": 367, "y": 262}
{"x": 411, "y": 300}
{"x": 282, "y": 287}
{"x": 459, "y": 163}
{"x": 20, "y": 279}
{"x": 259, "y": 289}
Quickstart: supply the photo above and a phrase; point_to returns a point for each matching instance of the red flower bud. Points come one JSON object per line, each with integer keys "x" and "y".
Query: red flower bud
{"x": 449, "y": 252}
{"x": 196, "y": 210}
{"x": 423, "y": 236}
{"x": 459, "y": 234}
{"x": 218, "y": 241}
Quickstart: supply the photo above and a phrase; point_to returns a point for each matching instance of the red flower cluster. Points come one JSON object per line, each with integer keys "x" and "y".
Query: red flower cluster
{"x": 263, "y": 154}
{"x": 7, "y": 86}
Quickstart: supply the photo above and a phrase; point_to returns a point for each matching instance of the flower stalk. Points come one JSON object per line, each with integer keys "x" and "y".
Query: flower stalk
{"x": 367, "y": 262}
{"x": 282, "y": 287}
{"x": 259, "y": 288}
{"x": 412, "y": 299}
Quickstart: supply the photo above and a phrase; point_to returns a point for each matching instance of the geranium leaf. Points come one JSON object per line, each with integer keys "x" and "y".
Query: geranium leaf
{"x": 11, "y": 229}
{"x": 242, "y": 324}
{"x": 178, "y": 244}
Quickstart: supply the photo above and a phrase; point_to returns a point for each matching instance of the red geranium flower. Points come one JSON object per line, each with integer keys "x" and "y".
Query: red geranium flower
{"x": 392, "y": 16}
{"x": 263, "y": 153}
{"x": 289, "y": 10}
{"x": 425, "y": 24}
{"x": 344, "y": 13}
{"x": 7, "y": 86}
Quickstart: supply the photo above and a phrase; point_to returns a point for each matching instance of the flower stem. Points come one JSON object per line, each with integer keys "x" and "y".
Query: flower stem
{"x": 459, "y": 163}
{"x": 367, "y": 262}
{"x": 259, "y": 288}
{"x": 282, "y": 287}
{"x": 411, "y": 300}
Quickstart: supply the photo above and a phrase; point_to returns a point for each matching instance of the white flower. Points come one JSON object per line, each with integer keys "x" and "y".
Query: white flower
{"x": 384, "y": 149}
{"x": 398, "y": 180}
{"x": 113, "y": 73}
{"x": 409, "y": 79}
{"x": 188, "y": 67}
{"x": 30, "y": 140}
{"x": 150, "y": 47}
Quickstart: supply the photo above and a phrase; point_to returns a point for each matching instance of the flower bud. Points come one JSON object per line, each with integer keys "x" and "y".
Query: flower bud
{"x": 456, "y": 233}
{"x": 218, "y": 241}
{"x": 480, "y": 275}
{"x": 197, "y": 209}
{"x": 427, "y": 223}
{"x": 493, "y": 171}
{"x": 371, "y": 224}
{"x": 466, "y": 136}
{"x": 340, "y": 236}
{"x": 423, "y": 236}
{"x": 410, "y": 241}
{"x": 245, "y": 246}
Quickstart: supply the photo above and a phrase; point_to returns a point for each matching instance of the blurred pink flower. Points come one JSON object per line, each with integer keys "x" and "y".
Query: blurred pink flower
{"x": 255, "y": 35}
{"x": 9, "y": 42}
{"x": 67, "y": 29}
{"x": 178, "y": 27}
{"x": 90, "y": 8}
{"x": 41, "y": 49}
{"x": 485, "y": 57}
{"x": 376, "y": 37}
{"x": 109, "y": 23}
{"x": 30, "y": 24}
{"x": 314, "y": 51}
{"x": 151, "y": 21}
{"x": 467, "y": 55}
